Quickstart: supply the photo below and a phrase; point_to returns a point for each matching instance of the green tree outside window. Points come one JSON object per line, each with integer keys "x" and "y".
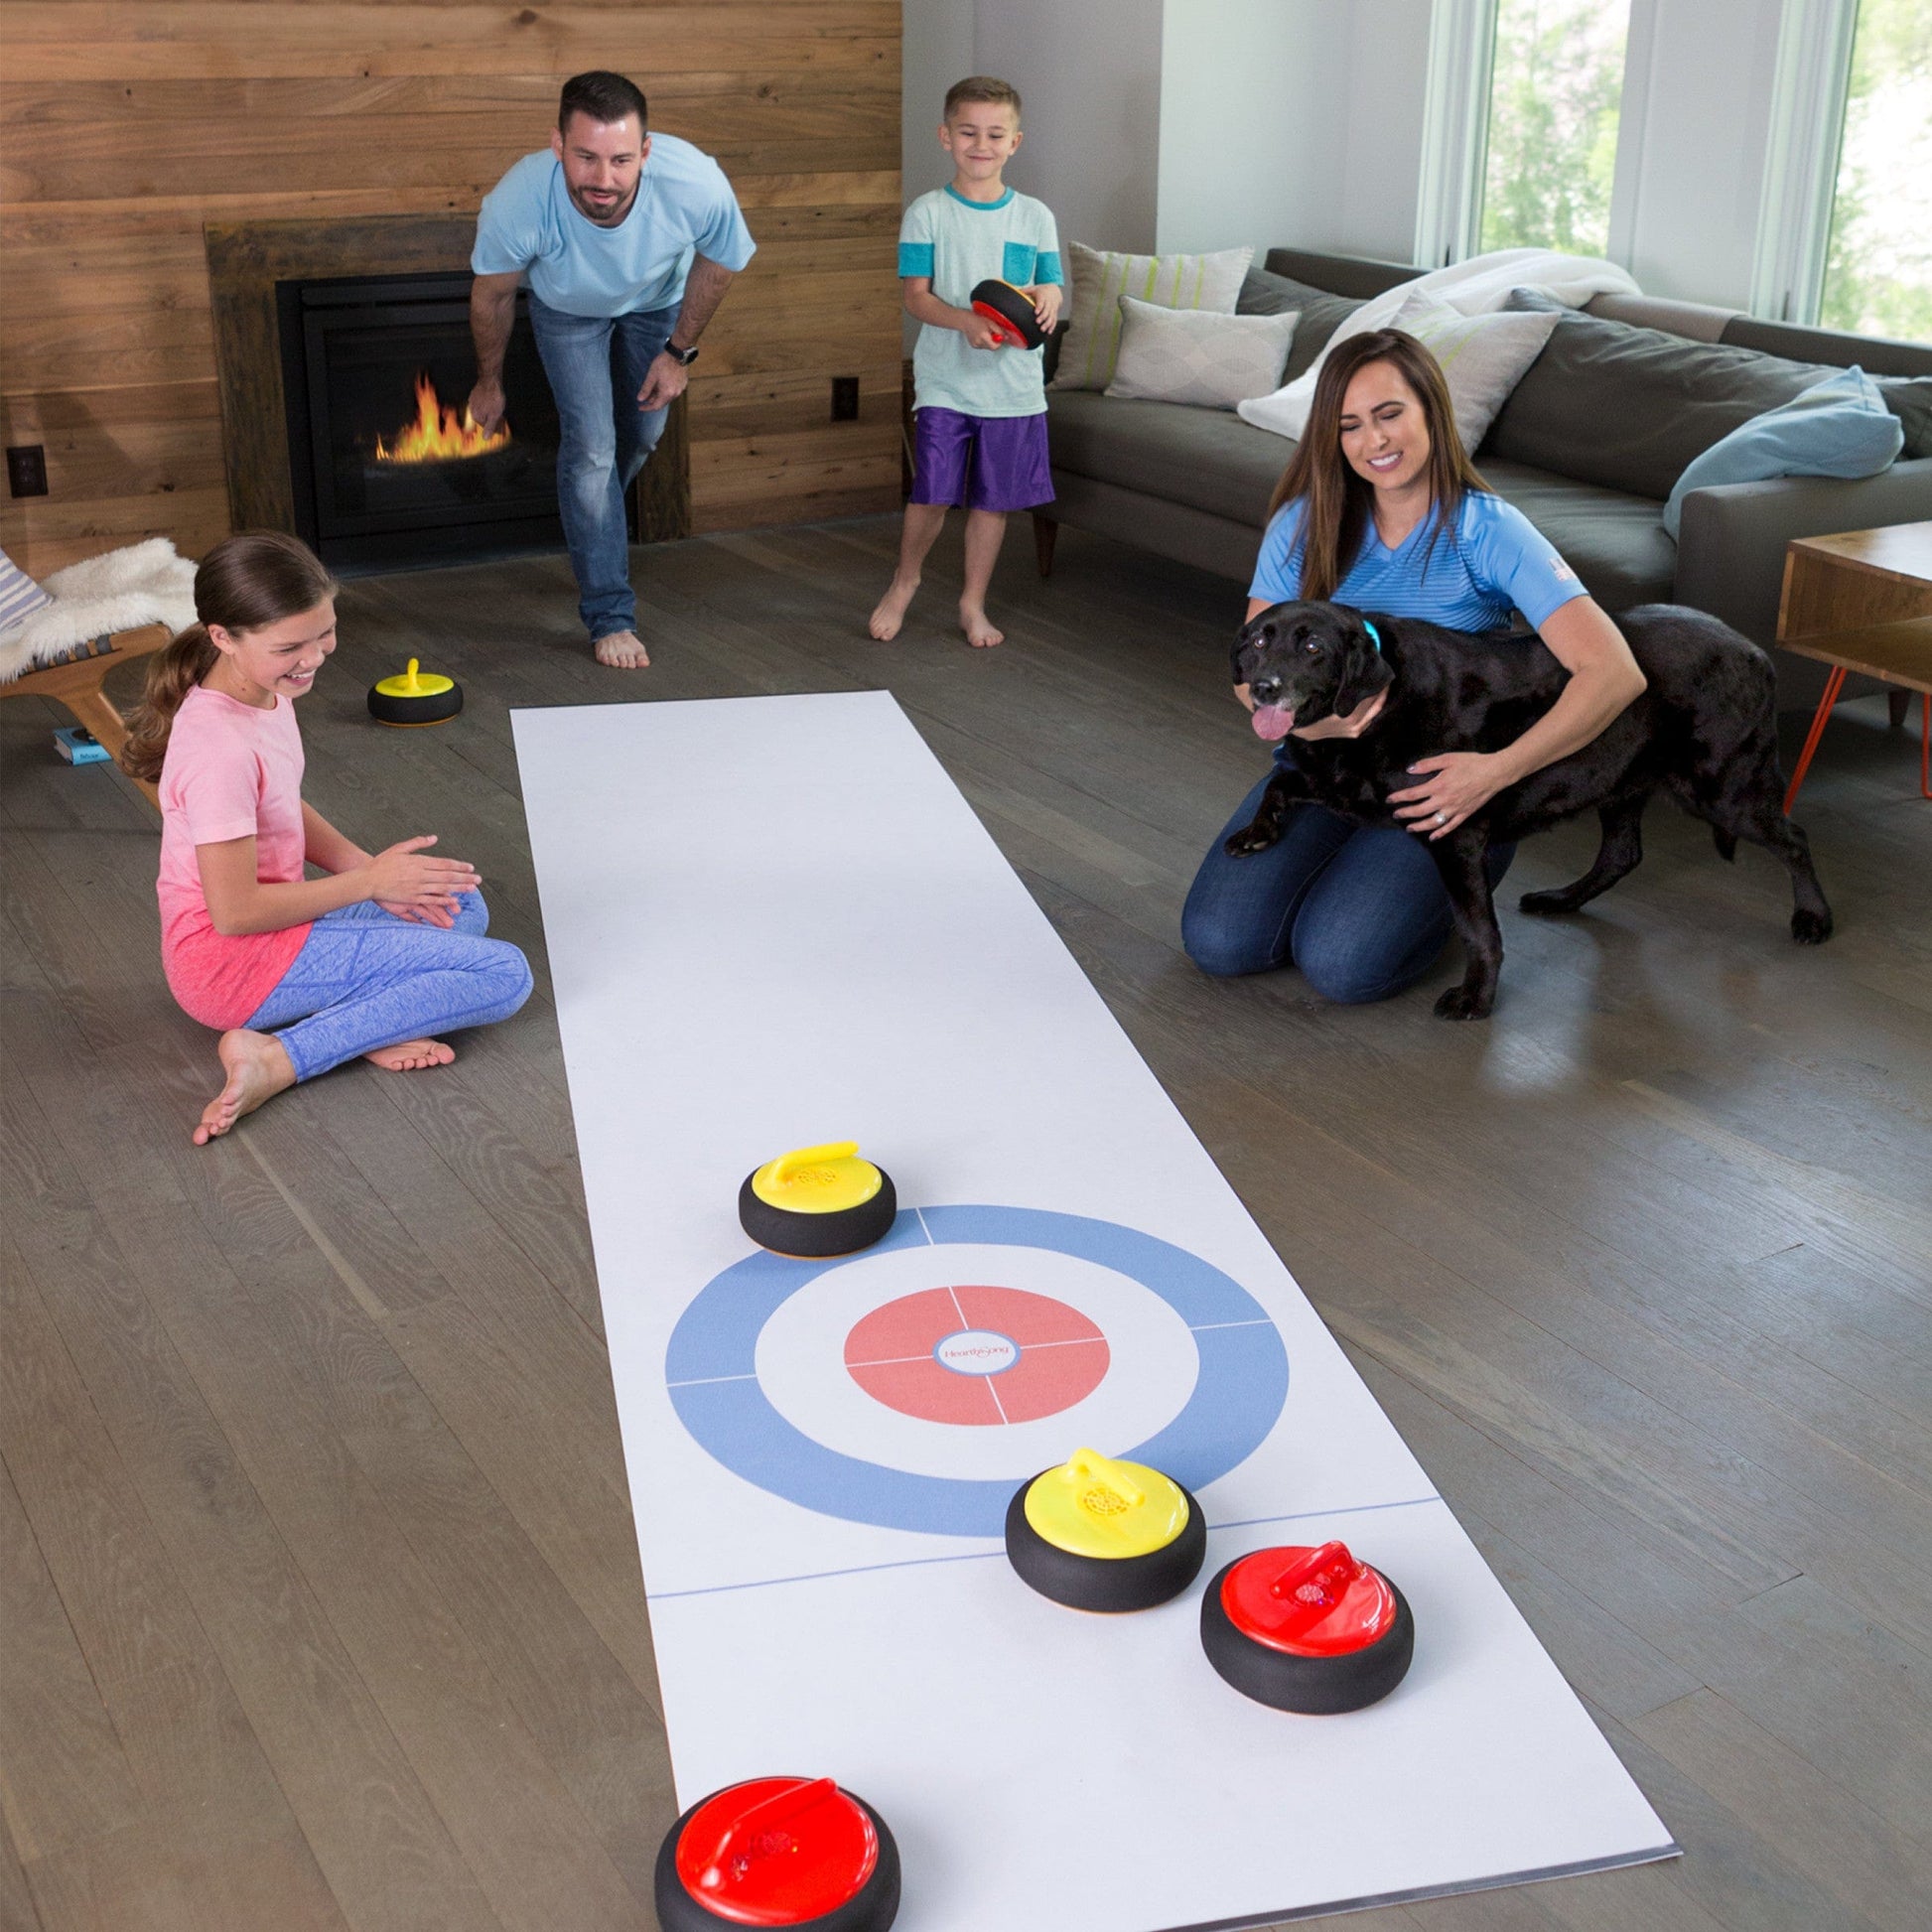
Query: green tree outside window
{"x": 1878, "y": 262}
{"x": 1554, "y": 100}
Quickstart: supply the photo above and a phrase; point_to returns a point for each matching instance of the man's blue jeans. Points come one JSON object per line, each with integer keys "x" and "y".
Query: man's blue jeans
{"x": 596, "y": 365}
{"x": 1361, "y": 908}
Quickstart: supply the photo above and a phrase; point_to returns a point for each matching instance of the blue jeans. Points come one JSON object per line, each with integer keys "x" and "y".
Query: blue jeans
{"x": 1359, "y": 909}
{"x": 596, "y": 365}
{"x": 365, "y": 978}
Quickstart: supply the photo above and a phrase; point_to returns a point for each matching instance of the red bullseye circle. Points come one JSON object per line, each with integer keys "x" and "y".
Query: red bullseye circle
{"x": 977, "y": 1354}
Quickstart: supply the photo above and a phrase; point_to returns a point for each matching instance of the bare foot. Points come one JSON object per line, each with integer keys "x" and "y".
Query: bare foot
{"x": 407, "y": 1056}
{"x": 890, "y": 614}
{"x": 621, "y": 651}
{"x": 258, "y": 1068}
{"x": 978, "y": 632}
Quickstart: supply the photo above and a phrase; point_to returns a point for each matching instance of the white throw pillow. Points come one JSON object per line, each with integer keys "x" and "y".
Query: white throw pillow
{"x": 1197, "y": 357}
{"x": 1098, "y": 281}
{"x": 1483, "y": 357}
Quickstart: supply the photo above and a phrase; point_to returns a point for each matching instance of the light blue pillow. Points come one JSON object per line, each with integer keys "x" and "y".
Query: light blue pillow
{"x": 1838, "y": 427}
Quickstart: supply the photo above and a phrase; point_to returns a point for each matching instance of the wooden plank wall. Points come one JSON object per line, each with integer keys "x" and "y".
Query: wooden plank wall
{"x": 127, "y": 124}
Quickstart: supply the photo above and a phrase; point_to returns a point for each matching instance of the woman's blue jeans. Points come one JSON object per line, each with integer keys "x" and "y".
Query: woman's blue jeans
{"x": 1361, "y": 908}
{"x": 596, "y": 365}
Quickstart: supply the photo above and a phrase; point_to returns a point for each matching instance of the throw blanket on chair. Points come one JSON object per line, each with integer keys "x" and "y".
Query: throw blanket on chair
{"x": 1478, "y": 286}
{"x": 147, "y": 583}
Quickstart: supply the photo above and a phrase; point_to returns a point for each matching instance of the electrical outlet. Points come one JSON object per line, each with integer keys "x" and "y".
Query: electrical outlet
{"x": 27, "y": 468}
{"x": 845, "y": 400}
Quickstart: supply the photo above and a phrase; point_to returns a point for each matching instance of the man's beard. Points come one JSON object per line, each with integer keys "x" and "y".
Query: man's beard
{"x": 607, "y": 217}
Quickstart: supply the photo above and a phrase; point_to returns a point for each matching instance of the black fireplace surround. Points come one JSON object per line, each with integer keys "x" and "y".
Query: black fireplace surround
{"x": 353, "y": 352}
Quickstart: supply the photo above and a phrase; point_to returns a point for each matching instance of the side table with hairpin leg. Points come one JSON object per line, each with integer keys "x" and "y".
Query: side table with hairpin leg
{"x": 1862, "y": 601}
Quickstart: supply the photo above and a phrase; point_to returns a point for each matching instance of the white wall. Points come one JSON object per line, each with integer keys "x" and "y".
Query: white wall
{"x": 1089, "y": 72}
{"x": 1706, "y": 120}
{"x": 1381, "y": 102}
{"x": 1189, "y": 124}
{"x": 1253, "y": 144}
{"x": 936, "y": 50}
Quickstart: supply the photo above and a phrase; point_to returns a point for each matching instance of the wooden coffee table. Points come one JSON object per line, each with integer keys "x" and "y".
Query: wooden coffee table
{"x": 1862, "y": 601}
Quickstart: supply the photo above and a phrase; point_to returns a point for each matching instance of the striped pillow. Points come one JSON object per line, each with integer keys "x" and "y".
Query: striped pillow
{"x": 20, "y": 595}
{"x": 1098, "y": 281}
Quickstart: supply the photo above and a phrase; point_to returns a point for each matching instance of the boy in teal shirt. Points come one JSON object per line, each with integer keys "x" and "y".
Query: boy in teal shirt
{"x": 980, "y": 410}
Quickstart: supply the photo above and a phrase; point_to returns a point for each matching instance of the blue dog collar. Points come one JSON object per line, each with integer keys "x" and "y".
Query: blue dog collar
{"x": 1375, "y": 636}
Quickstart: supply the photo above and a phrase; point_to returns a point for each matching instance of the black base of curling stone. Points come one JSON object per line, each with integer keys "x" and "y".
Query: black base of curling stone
{"x": 1106, "y": 1584}
{"x": 430, "y": 708}
{"x": 814, "y": 1237}
{"x": 1313, "y": 1687}
{"x": 1011, "y": 309}
{"x": 872, "y": 1909}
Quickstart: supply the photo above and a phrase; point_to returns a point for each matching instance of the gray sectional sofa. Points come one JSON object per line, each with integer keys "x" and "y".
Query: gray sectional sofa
{"x": 1588, "y": 447}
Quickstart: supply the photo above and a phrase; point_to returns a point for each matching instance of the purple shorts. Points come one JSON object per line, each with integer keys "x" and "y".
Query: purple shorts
{"x": 986, "y": 463}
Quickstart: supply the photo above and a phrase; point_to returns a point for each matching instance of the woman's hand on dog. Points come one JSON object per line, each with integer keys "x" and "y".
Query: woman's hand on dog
{"x": 1456, "y": 783}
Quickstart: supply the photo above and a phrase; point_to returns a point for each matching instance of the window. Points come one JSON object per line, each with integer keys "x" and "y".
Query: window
{"x": 1555, "y": 91}
{"x": 1877, "y": 276}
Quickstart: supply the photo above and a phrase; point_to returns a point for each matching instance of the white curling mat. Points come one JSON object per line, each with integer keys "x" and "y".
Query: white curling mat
{"x": 775, "y": 922}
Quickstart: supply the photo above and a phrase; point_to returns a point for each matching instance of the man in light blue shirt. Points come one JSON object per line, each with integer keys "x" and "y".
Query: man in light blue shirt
{"x": 626, "y": 241}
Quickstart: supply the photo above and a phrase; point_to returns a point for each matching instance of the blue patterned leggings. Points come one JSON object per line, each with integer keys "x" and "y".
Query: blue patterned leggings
{"x": 365, "y": 978}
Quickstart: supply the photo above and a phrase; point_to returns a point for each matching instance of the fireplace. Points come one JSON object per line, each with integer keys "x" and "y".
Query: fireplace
{"x": 385, "y": 468}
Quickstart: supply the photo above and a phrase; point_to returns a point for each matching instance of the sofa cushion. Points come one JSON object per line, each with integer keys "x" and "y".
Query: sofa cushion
{"x": 1267, "y": 294}
{"x": 1205, "y": 458}
{"x": 1630, "y": 408}
{"x": 1482, "y": 359}
{"x": 1193, "y": 355}
{"x": 1209, "y": 461}
{"x": 1838, "y": 427}
{"x": 1099, "y": 279}
{"x": 1612, "y": 540}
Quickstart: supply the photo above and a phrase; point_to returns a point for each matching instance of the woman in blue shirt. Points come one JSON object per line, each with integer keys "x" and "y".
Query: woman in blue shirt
{"x": 1380, "y": 509}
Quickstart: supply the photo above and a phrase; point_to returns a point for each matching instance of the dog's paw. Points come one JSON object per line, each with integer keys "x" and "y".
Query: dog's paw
{"x": 1460, "y": 1002}
{"x": 1246, "y": 843}
{"x": 1811, "y": 929}
{"x": 1559, "y": 901}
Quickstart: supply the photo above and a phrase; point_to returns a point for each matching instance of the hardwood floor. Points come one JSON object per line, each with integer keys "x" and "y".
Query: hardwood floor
{"x": 319, "y": 1596}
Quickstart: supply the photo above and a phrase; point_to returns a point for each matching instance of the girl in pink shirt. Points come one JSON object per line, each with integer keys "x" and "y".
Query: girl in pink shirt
{"x": 371, "y": 959}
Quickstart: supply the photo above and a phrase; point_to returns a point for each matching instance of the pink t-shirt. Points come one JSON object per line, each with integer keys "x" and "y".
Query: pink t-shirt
{"x": 231, "y": 771}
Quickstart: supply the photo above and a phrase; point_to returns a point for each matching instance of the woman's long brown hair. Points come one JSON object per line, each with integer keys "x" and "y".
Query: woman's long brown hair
{"x": 248, "y": 581}
{"x": 1337, "y": 501}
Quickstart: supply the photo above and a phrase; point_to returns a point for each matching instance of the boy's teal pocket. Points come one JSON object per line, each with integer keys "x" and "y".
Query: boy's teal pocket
{"x": 1017, "y": 265}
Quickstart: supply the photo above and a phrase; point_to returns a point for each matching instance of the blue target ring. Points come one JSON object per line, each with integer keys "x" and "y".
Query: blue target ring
{"x": 711, "y": 1368}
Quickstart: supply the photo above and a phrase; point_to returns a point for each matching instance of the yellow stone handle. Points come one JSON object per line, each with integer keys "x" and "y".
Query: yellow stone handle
{"x": 789, "y": 1166}
{"x": 1091, "y": 1467}
{"x": 414, "y": 682}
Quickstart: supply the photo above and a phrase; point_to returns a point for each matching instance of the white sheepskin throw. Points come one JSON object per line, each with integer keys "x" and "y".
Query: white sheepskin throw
{"x": 147, "y": 583}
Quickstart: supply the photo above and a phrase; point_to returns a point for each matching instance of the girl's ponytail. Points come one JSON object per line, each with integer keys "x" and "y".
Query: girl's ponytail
{"x": 248, "y": 581}
{"x": 172, "y": 673}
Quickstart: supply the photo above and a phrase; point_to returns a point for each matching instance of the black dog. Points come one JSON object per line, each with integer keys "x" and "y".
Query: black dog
{"x": 1703, "y": 730}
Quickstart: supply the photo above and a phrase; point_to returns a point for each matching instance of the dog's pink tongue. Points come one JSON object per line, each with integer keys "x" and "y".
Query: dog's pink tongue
{"x": 1273, "y": 720}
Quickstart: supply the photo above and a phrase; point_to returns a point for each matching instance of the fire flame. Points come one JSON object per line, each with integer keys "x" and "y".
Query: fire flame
{"x": 435, "y": 435}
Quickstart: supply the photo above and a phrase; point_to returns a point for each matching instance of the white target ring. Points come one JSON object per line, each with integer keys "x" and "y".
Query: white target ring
{"x": 801, "y": 1364}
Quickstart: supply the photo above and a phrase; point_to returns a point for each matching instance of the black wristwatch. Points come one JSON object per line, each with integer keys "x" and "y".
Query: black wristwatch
{"x": 684, "y": 355}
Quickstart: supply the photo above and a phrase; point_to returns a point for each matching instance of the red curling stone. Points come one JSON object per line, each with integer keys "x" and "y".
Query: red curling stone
{"x": 1012, "y": 309}
{"x": 797, "y": 1853}
{"x": 1310, "y": 1630}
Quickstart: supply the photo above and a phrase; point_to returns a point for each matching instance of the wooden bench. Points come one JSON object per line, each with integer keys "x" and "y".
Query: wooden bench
{"x": 75, "y": 681}
{"x": 1862, "y": 601}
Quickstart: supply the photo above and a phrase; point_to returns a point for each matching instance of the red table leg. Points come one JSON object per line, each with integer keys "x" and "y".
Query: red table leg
{"x": 1833, "y": 686}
